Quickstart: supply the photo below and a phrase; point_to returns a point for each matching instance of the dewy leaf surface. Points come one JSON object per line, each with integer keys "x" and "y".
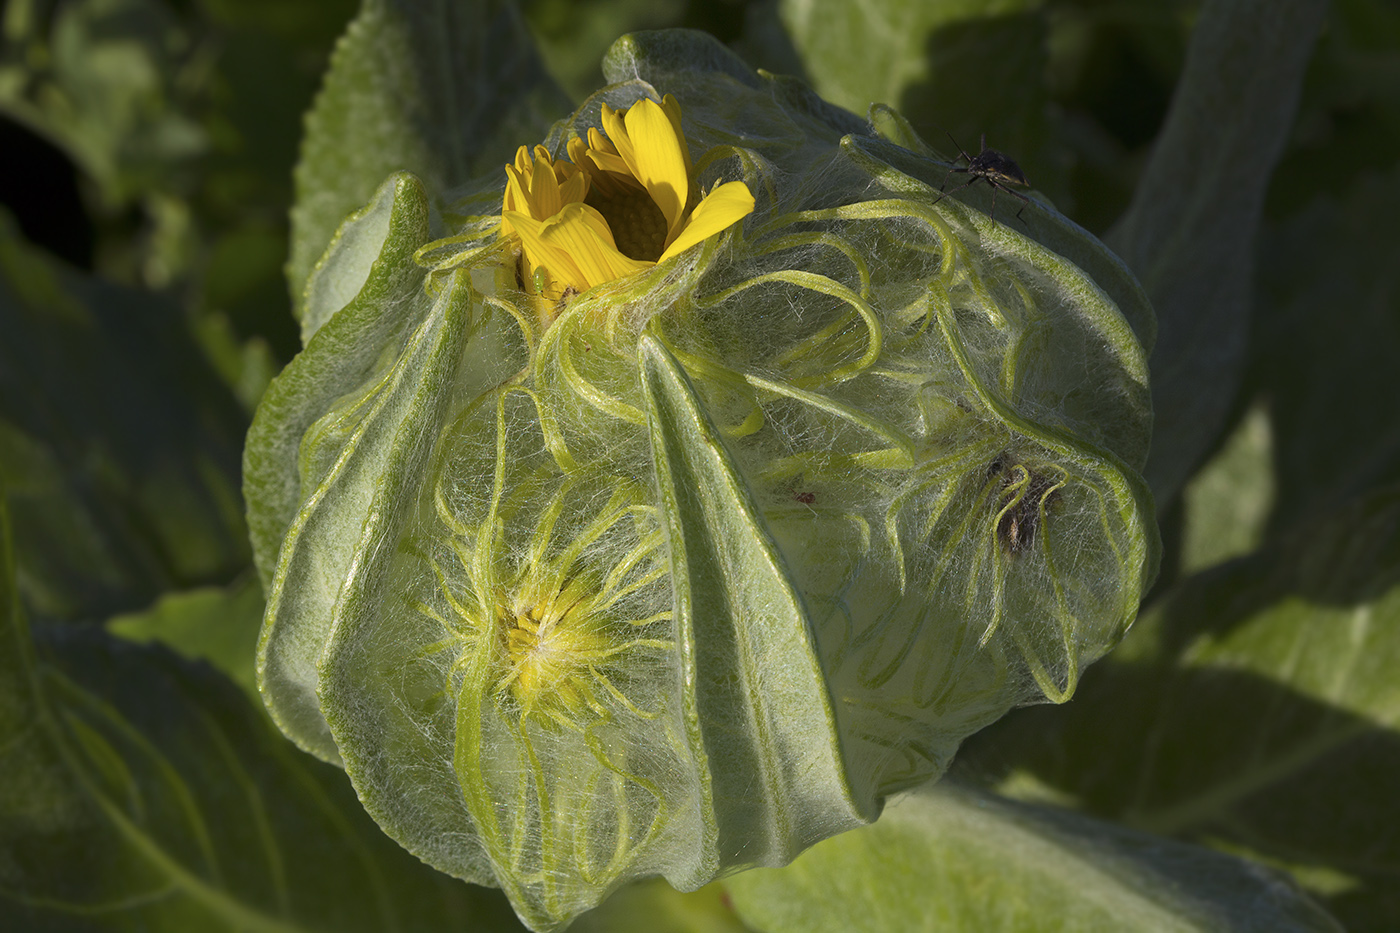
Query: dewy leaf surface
{"x": 439, "y": 88}
{"x": 138, "y": 792}
{"x": 949, "y": 858}
{"x": 1255, "y": 709}
{"x": 1190, "y": 232}
{"x": 118, "y": 444}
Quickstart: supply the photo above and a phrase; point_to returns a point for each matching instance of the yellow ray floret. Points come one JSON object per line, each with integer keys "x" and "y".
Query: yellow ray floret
{"x": 626, "y": 200}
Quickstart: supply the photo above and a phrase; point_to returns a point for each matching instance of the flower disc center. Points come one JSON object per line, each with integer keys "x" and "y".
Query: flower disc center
{"x": 637, "y": 224}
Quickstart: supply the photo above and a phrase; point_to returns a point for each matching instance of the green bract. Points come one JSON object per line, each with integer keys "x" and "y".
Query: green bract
{"x": 690, "y": 571}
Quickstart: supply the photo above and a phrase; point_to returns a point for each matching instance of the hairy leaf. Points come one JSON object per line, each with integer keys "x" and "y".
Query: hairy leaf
{"x": 439, "y": 88}
{"x": 140, "y": 793}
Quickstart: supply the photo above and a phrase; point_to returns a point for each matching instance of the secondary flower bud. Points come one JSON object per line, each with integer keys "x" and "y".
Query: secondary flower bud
{"x": 707, "y": 481}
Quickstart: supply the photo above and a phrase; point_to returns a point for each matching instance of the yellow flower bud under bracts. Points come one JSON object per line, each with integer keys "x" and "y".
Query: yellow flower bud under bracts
{"x": 626, "y": 530}
{"x": 626, "y": 201}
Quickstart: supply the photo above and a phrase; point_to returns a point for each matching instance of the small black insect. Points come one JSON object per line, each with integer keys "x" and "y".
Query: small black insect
{"x": 806, "y": 498}
{"x": 995, "y": 168}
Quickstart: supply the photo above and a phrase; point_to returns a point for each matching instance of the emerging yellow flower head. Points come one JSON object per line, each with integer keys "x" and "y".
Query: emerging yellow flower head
{"x": 626, "y": 201}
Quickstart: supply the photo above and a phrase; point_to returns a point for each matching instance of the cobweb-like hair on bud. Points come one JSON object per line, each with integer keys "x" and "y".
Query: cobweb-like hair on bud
{"x": 691, "y": 570}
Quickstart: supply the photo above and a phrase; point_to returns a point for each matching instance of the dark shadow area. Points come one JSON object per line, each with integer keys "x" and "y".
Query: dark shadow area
{"x": 40, "y": 186}
{"x": 123, "y": 449}
{"x": 1074, "y": 98}
{"x": 985, "y": 76}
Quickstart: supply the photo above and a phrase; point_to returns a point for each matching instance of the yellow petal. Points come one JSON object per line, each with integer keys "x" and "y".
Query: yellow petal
{"x": 578, "y": 150}
{"x": 721, "y": 208}
{"x": 657, "y": 160}
{"x": 582, "y": 233}
{"x": 609, "y": 162}
{"x": 574, "y": 188}
{"x": 515, "y": 198}
{"x": 599, "y": 160}
{"x": 561, "y": 270}
{"x": 544, "y": 191}
{"x": 617, "y": 135}
{"x": 601, "y": 143}
{"x": 673, "y": 111}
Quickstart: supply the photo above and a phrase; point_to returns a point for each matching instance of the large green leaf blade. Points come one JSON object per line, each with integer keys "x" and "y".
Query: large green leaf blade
{"x": 1190, "y": 232}
{"x": 434, "y": 87}
{"x": 1327, "y": 342}
{"x": 118, "y": 443}
{"x": 138, "y": 792}
{"x": 949, "y": 858}
{"x": 219, "y": 625}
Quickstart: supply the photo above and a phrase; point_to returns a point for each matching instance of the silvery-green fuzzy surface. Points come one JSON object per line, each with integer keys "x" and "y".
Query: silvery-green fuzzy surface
{"x": 825, "y": 495}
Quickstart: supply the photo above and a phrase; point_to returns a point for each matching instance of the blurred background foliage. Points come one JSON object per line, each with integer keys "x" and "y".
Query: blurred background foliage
{"x": 147, "y": 150}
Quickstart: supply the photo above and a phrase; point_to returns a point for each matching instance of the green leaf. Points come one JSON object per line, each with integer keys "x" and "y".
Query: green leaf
{"x": 118, "y": 444}
{"x": 949, "y": 858}
{"x": 1327, "y": 341}
{"x": 373, "y": 254}
{"x": 214, "y": 624}
{"x": 654, "y": 906}
{"x": 1190, "y": 233}
{"x": 1227, "y": 503}
{"x": 1256, "y": 709}
{"x": 1048, "y": 227}
{"x": 775, "y": 777}
{"x": 963, "y": 64}
{"x": 140, "y": 793}
{"x": 439, "y": 88}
